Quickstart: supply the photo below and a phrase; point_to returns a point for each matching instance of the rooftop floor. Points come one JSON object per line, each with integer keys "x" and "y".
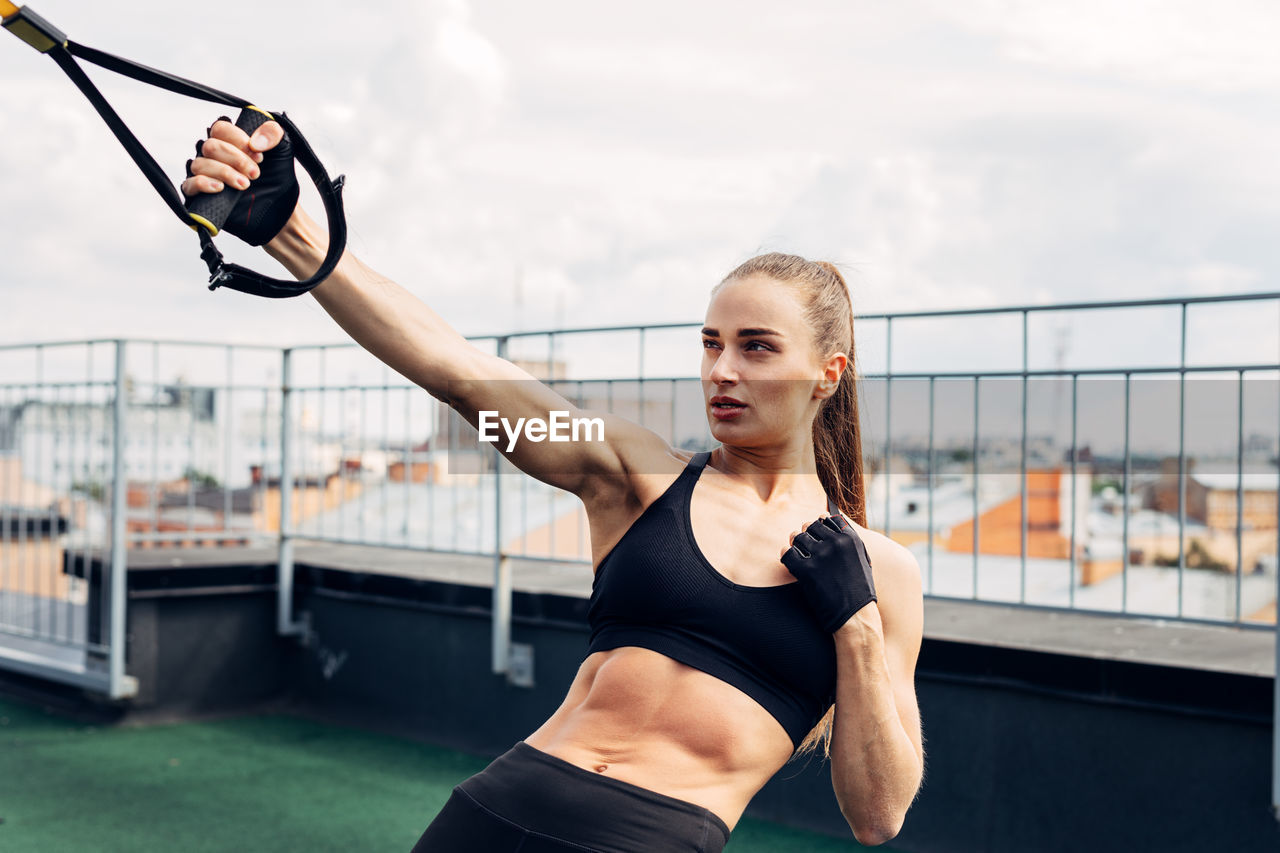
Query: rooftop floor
{"x": 274, "y": 782}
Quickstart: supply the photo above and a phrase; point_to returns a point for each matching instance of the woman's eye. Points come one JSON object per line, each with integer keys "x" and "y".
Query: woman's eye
{"x": 750, "y": 346}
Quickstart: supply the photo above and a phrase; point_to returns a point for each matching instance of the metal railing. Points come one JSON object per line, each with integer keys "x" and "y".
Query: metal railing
{"x": 117, "y": 444}
{"x": 49, "y": 525}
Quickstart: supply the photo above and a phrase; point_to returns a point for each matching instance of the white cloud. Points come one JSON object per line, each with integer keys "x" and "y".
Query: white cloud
{"x": 1223, "y": 46}
{"x": 1213, "y": 278}
{"x": 459, "y": 46}
{"x": 991, "y": 153}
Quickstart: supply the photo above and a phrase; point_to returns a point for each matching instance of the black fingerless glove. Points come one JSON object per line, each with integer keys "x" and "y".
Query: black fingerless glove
{"x": 833, "y": 569}
{"x": 264, "y": 208}
{"x": 257, "y": 214}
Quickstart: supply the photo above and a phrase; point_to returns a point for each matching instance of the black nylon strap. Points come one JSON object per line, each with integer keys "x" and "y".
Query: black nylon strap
{"x": 245, "y": 280}
{"x": 155, "y": 175}
{"x": 221, "y": 273}
{"x": 153, "y": 76}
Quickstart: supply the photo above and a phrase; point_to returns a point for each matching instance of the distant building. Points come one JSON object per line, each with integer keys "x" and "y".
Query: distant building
{"x": 1210, "y": 497}
{"x": 67, "y": 443}
{"x": 181, "y": 431}
{"x": 1048, "y": 503}
{"x": 185, "y": 513}
{"x": 1209, "y": 504}
{"x": 33, "y": 519}
{"x": 995, "y": 500}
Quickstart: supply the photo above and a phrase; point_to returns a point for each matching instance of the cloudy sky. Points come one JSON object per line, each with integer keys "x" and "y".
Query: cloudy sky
{"x": 521, "y": 165}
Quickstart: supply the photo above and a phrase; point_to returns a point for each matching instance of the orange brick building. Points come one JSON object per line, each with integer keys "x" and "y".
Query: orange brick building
{"x": 1000, "y": 526}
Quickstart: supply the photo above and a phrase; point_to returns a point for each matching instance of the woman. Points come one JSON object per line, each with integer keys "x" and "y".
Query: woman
{"x": 712, "y": 660}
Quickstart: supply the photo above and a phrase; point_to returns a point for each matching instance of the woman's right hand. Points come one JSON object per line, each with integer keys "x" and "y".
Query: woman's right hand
{"x": 261, "y": 168}
{"x": 228, "y": 156}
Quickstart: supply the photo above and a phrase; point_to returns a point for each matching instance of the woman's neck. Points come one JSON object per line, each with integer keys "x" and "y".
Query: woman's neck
{"x": 781, "y": 473}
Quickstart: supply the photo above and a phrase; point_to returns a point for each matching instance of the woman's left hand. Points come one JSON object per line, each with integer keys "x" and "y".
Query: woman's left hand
{"x": 830, "y": 562}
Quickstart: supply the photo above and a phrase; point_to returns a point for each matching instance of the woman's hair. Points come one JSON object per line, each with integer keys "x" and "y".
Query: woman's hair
{"x": 837, "y": 439}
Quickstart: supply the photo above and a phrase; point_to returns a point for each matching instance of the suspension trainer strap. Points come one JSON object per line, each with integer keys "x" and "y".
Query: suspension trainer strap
{"x": 207, "y": 212}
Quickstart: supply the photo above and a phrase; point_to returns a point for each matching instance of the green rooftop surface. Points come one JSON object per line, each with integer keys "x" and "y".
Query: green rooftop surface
{"x": 262, "y": 783}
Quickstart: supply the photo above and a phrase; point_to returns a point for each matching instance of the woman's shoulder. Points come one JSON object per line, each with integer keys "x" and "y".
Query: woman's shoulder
{"x": 883, "y": 550}
{"x": 893, "y": 564}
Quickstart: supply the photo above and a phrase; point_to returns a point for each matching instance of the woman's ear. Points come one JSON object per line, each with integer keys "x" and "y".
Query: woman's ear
{"x": 831, "y": 373}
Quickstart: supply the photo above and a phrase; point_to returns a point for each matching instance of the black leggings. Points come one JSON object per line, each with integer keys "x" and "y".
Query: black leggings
{"x": 532, "y": 802}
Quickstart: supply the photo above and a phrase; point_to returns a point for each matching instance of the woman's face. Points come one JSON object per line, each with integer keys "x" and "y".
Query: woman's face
{"x": 760, "y": 371}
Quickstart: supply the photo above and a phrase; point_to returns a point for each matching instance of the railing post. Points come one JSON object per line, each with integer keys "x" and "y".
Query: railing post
{"x": 1240, "y": 496}
{"x": 976, "y": 516}
{"x": 1124, "y": 496}
{"x": 933, "y": 480}
{"x": 1275, "y": 681}
{"x": 501, "y": 627}
{"x": 888, "y": 422}
{"x": 1075, "y": 497}
{"x": 119, "y": 685}
{"x": 285, "y": 623}
{"x": 1275, "y": 722}
{"x": 1022, "y": 474}
{"x": 1183, "y": 467}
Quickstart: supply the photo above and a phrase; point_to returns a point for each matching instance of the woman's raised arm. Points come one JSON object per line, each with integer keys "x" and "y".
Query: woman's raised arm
{"x": 415, "y": 341}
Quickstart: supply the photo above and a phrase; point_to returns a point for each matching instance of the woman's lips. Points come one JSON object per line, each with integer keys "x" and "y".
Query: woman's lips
{"x": 725, "y": 409}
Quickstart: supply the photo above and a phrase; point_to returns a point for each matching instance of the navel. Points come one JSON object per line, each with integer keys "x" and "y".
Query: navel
{"x": 600, "y": 768}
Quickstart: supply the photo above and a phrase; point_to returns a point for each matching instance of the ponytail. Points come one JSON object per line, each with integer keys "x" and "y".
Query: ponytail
{"x": 837, "y": 438}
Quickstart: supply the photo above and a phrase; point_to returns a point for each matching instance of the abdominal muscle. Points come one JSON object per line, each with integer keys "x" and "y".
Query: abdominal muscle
{"x": 638, "y": 716}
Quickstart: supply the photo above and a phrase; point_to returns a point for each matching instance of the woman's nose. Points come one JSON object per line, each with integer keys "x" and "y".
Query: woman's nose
{"x": 724, "y": 369}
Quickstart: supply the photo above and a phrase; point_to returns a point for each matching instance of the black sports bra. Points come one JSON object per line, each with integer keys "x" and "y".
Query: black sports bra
{"x": 655, "y": 589}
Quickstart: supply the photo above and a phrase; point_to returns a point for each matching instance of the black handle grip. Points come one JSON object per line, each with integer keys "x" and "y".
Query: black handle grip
{"x": 214, "y": 208}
